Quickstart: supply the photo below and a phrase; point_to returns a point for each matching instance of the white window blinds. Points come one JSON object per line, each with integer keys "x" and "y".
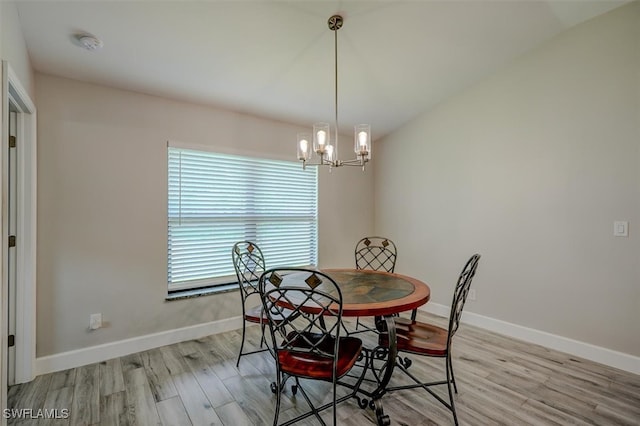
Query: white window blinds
{"x": 216, "y": 200}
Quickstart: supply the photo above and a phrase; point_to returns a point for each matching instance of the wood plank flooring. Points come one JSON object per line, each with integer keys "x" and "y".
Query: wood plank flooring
{"x": 501, "y": 381}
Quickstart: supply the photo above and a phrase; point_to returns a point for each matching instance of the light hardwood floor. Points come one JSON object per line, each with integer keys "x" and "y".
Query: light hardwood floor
{"x": 501, "y": 381}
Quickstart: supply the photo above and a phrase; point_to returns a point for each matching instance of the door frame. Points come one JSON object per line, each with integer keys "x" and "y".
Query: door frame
{"x": 26, "y": 199}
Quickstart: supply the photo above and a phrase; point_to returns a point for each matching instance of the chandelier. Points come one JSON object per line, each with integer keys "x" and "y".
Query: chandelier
{"x": 320, "y": 141}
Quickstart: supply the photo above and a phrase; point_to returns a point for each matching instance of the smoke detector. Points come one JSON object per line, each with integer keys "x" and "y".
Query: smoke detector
{"x": 89, "y": 41}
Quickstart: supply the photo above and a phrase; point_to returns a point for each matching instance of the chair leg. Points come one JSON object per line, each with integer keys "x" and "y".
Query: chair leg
{"x": 449, "y": 382}
{"x": 263, "y": 340}
{"x": 346, "y": 330}
{"x": 453, "y": 378}
{"x": 426, "y": 386}
{"x": 334, "y": 403}
{"x": 278, "y": 397}
{"x": 241, "y": 342}
{"x": 364, "y": 327}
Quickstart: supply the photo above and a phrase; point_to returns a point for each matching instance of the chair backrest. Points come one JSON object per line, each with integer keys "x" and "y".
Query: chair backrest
{"x": 460, "y": 293}
{"x": 304, "y": 308}
{"x": 376, "y": 253}
{"x": 248, "y": 262}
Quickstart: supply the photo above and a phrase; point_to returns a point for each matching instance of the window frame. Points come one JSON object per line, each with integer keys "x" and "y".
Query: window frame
{"x": 228, "y": 281}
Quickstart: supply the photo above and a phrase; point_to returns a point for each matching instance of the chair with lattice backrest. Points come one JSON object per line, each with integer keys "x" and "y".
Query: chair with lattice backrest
{"x": 249, "y": 264}
{"x": 419, "y": 338}
{"x": 377, "y": 254}
{"x": 307, "y": 344}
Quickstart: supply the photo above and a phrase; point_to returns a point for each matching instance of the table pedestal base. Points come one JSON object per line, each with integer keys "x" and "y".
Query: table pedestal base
{"x": 380, "y": 362}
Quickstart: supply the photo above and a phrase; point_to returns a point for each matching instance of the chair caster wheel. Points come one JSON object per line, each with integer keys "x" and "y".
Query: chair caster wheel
{"x": 274, "y": 387}
{"x": 294, "y": 389}
{"x": 384, "y": 420}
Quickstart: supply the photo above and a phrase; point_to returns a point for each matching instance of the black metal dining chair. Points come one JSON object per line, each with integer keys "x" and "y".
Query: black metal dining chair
{"x": 376, "y": 254}
{"x": 305, "y": 316}
{"x": 249, "y": 264}
{"x": 419, "y": 338}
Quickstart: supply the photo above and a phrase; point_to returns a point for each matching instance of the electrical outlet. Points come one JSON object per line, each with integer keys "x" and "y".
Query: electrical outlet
{"x": 621, "y": 228}
{"x": 472, "y": 294}
{"x": 95, "y": 321}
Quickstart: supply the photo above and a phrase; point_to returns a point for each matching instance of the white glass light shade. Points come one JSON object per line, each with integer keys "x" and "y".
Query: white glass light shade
{"x": 304, "y": 146}
{"x": 321, "y": 137}
{"x": 362, "y": 138}
{"x": 329, "y": 153}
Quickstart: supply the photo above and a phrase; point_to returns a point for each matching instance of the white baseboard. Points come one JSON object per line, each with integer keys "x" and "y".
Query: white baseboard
{"x": 92, "y": 354}
{"x": 584, "y": 350}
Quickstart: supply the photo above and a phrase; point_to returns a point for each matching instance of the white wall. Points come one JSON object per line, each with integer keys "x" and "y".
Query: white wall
{"x": 12, "y": 50}
{"x": 530, "y": 168}
{"x": 102, "y": 209}
{"x": 12, "y": 45}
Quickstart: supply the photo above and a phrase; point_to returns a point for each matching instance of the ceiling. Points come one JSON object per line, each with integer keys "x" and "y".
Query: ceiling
{"x": 275, "y": 58}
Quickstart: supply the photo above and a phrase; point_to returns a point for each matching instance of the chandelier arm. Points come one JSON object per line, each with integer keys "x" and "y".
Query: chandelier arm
{"x": 354, "y": 162}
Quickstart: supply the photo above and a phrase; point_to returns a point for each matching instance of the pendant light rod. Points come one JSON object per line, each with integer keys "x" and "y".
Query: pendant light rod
{"x": 322, "y": 146}
{"x": 335, "y": 23}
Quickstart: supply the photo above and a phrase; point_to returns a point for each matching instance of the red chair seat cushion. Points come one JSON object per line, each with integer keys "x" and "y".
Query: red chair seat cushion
{"x": 418, "y": 337}
{"x": 316, "y": 366}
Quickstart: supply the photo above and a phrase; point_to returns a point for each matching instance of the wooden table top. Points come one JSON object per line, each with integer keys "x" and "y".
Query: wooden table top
{"x": 376, "y": 293}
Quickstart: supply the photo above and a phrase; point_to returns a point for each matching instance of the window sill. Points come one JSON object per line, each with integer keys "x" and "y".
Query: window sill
{"x": 198, "y": 292}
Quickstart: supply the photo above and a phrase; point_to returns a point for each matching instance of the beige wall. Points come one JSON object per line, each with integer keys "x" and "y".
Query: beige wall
{"x": 12, "y": 50}
{"x": 12, "y": 46}
{"x": 102, "y": 209}
{"x": 530, "y": 168}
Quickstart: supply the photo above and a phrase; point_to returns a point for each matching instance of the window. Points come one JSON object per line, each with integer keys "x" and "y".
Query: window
{"x": 215, "y": 200}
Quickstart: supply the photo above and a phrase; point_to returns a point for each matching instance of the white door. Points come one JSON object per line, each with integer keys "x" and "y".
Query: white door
{"x": 13, "y": 237}
{"x": 18, "y": 218}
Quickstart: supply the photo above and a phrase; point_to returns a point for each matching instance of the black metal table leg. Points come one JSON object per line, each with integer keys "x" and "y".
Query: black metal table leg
{"x": 388, "y": 325}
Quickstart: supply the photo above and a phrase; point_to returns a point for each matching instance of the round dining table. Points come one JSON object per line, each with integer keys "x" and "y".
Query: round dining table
{"x": 378, "y": 293}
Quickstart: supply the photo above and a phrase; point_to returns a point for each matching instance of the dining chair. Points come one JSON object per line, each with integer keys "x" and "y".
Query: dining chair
{"x": 376, "y": 254}
{"x": 419, "y": 338}
{"x": 306, "y": 344}
{"x": 249, "y": 264}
